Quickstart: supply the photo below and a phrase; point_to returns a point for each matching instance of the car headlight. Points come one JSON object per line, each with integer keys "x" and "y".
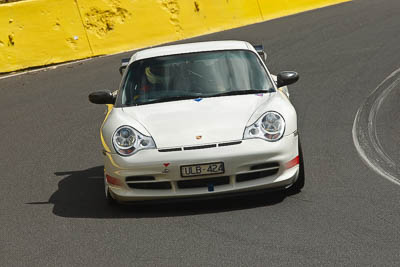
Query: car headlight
{"x": 128, "y": 141}
{"x": 270, "y": 126}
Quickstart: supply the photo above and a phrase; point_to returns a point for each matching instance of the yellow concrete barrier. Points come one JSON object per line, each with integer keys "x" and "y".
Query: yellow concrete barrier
{"x": 271, "y": 9}
{"x": 40, "y": 32}
{"x": 119, "y": 25}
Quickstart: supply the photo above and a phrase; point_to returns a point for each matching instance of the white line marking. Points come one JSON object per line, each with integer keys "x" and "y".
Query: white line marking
{"x": 56, "y": 65}
{"x": 52, "y": 67}
{"x": 365, "y": 137}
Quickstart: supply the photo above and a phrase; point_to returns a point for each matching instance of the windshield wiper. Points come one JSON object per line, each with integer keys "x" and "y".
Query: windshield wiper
{"x": 185, "y": 97}
{"x": 242, "y": 92}
{"x": 168, "y": 99}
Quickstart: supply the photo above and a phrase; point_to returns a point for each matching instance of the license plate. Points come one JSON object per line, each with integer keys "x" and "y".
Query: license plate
{"x": 202, "y": 169}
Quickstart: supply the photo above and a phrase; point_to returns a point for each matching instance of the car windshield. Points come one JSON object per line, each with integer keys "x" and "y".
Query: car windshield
{"x": 195, "y": 75}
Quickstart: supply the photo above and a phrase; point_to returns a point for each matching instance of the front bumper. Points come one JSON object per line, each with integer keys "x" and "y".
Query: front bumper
{"x": 239, "y": 161}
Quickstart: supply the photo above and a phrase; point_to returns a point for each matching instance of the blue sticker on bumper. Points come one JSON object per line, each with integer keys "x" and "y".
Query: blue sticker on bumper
{"x": 210, "y": 187}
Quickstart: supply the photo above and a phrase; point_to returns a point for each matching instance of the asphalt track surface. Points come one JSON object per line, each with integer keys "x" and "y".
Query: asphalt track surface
{"x": 52, "y": 207}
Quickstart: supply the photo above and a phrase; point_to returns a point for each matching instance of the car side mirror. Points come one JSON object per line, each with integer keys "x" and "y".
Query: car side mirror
{"x": 102, "y": 97}
{"x": 286, "y": 78}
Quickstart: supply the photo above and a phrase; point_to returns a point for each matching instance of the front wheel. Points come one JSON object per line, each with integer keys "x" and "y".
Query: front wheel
{"x": 299, "y": 184}
{"x": 110, "y": 200}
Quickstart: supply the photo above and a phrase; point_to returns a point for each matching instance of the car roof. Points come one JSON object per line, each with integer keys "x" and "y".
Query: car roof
{"x": 191, "y": 48}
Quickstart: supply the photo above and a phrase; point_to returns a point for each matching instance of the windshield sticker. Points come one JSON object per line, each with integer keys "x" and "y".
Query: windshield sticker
{"x": 198, "y": 99}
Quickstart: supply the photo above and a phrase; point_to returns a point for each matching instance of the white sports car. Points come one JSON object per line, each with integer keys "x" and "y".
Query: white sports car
{"x": 199, "y": 119}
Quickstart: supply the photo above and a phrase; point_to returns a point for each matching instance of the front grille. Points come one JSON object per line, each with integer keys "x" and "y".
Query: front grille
{"x": 176, "y": 149}
{"x": 154, "y": 185}
{"x": 139, "y": 178}
{"x": 203, "y": 182}
{"x": 230, "y": 143}
{"x": 255, "y": 175}
{"x": 199, "y": 147}
{"x": 170, "y": 149}
{"x": 268, "y": 165}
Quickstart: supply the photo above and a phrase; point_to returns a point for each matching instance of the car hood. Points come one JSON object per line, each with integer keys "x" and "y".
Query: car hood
{"x": 193, "y": 122}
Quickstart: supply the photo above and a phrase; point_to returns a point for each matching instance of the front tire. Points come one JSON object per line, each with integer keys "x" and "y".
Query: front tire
{"x": 110, "y": 200}
{"x": 299, "y": 184}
